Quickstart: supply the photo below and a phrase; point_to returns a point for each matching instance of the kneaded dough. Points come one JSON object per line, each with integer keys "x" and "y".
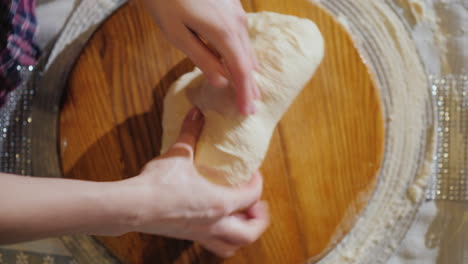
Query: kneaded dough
{"x": 231, "y": 146}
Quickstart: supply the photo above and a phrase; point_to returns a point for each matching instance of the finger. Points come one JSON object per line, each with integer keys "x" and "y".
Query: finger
{"x": 241, "y": 19}
{"x": 247, "y": 45}
{"x": 191, "y": 127}
{"x": 257, "y": 210}
{"x": 248, "y": 41}
{"x": 212, "y": 49}
{"x": 242, "y": 197}
{"x": 226, "y": 41}
{"x": 240, "y": 68}
{"x": 220, "y": 248}
{"x": 252, "y": 212}
{"x": 190, "y": 131}
{"x": 240, "y": 231}
{"x": 202, "y": 56}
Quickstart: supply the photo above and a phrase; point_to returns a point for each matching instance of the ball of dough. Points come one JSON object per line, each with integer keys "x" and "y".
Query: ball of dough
{"x": 231, "y": 146}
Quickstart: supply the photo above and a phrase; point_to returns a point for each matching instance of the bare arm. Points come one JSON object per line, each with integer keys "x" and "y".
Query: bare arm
{"x": 167, "y": 198}
{"x": 34, "y": 208}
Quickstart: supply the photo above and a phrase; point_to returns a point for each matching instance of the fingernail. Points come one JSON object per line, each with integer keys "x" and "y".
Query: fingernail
{"x": 195, "y": 114}
{"x": 217, "y": 80}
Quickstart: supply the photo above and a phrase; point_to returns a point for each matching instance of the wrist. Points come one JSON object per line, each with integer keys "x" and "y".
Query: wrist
{"x": 119, "y": 207}
{"x": 127, "y": 203}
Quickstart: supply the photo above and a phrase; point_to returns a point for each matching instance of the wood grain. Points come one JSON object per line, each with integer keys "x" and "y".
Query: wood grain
{"x": 323, "y": 160}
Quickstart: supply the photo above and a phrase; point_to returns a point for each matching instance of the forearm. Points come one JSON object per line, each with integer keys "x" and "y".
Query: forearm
{"x": 33, "y": 208}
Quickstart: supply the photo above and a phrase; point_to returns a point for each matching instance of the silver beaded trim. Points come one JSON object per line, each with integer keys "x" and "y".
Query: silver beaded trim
{"x": 15, "y": 123}
{"x": 450, "y": 180}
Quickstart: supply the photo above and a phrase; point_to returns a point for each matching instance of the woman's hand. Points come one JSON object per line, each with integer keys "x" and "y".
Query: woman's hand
{"x": 173, "y": 200}
{"x": 222, "y": 24}
{"x": 168, "y": 198}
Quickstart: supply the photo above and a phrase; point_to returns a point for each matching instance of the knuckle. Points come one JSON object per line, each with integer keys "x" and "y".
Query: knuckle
{"x": 242, "y": 19}
{"x": 218, "y": 209}
{"x": 249, "y": 239}
{"x": 222, "y": 32}
{"x": 245, "y": 239}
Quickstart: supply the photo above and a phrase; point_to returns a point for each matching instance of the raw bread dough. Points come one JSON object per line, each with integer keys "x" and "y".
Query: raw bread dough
{"x": 232, "y": 147}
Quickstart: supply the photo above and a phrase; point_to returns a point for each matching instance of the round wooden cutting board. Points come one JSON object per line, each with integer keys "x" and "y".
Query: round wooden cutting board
{"x": 322, "y": 163}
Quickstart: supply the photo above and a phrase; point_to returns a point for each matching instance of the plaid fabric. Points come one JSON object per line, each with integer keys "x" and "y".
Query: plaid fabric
{"x": 17, "y": 29}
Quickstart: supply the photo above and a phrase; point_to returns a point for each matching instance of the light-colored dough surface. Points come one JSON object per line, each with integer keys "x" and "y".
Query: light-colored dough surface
{"x": 232, "y": 147}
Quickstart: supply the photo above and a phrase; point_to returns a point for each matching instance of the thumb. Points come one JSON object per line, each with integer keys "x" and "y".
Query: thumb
{"x": 189, "y": 132}
{"x": 242, "y": 197}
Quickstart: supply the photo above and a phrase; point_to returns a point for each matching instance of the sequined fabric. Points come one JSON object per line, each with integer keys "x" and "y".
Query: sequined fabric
{"x": 450, "y": 180}
{"x": 15, "y": 120}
